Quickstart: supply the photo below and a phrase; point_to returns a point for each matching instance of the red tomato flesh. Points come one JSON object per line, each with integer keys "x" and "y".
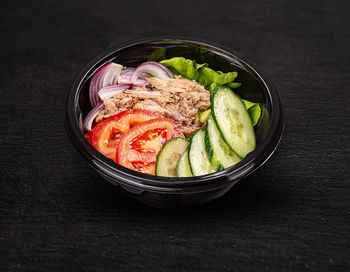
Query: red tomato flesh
{"x": 139, "y": 147}
{"x": 106, "y": 135}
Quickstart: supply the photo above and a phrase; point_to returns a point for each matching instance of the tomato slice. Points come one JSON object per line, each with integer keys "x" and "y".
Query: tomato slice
{"x": 139, "y": 147}
{"x": 106, "y": 135}
{"x": 89, "y": 135}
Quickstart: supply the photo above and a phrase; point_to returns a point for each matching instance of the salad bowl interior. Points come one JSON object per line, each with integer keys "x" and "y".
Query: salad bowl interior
{"x": 167, "y": 192}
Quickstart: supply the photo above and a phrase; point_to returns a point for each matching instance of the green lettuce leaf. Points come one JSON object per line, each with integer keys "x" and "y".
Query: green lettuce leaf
{"x": 248, "y": 104}
{"x": 184, "y": 67}
{"x": 233, "y": 85}
{"x": 200, "y": 72}
{"x": 212, "y": 86}
{"x": 255, "y": 113}
{"x": 208, "y": 76}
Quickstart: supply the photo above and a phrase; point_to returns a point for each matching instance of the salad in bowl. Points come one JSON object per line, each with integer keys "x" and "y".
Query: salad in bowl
{"x": 173, "y": 122}
{"x": 173, "y": 118}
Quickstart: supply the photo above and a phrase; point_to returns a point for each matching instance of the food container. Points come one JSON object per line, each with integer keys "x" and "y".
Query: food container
{"x": 163, "y": 192}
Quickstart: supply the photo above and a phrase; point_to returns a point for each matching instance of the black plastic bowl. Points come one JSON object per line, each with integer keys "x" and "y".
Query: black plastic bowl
{"x": 165, "y": 192}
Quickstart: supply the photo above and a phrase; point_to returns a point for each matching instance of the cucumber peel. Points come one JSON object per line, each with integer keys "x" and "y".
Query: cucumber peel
{"x": 169, "y": 155}
{"x": 183, "y": 166}
{"x": 233, "y": 120}
{"x": 198, "y": 156}
{"x": 223, "y": 153}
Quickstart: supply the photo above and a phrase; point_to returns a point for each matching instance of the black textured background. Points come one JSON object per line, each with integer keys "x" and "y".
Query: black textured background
{"x": 57, "y": 214}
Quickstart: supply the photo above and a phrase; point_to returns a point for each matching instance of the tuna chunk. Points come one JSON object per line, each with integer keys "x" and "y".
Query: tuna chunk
{"x": 177, "y": 98}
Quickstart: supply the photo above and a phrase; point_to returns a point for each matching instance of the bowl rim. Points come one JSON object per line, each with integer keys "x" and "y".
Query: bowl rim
{"x": 125, "y": 176}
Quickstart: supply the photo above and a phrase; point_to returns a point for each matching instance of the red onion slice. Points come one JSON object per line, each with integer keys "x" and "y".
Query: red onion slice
{"x": 95, "y": 84}
{"x": 152, "y": 68}
{"x": 107, "y": 75}
{"x": 127, "y": 70}
{"x": 89, "y": 119}
{"x": 126, "y": 75}
{"x": 105, "y": 92}
{"x": 112, "y": 90}
{"x": 140, "y": 82}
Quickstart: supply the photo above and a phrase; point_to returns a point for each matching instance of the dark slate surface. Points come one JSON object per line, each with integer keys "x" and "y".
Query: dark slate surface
{"x": 57, "y": 214}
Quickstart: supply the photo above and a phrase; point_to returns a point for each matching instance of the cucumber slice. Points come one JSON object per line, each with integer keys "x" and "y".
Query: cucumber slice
{"x": 224, "y": 154}
{"x": 198, "y": 156}
{"x": 255, "y": 111}
{"x": 169, "y": 156}
{"x": 233, "y": 120}
{"x": 215, "y": 162}
{"x": 183, "y": 166}
{"x": 211, "y": 153}
{"x": 203, "y": 115}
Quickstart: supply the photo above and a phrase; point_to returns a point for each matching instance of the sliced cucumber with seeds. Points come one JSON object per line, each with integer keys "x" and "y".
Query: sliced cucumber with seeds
{"x": 211, "y": 153}
{"x": 183, "y": 166}
{"x": 255, "y": 111}
{"x": 169, "y": 156}
{"x": 224, "y": 154}
{"x": 198, "y": 156}
{"x": 215, "y": 162}
{"x": 233, "y": 120}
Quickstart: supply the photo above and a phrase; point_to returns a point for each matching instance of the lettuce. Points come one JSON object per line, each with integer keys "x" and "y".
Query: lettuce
{"x": 200, "y": 72}
{"x": 255, "y": 111}
{"x": 208, "y": 76}
{"x": 185, "y": 67}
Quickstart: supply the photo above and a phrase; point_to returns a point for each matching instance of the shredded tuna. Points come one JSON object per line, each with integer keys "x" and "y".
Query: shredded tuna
{"x": 177, "y": 98}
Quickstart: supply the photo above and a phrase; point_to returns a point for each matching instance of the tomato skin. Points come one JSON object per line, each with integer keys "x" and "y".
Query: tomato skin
{"x": 89, "y": 135}
{"x": 105, "y": 135}
{"x": 139, "y": 147}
